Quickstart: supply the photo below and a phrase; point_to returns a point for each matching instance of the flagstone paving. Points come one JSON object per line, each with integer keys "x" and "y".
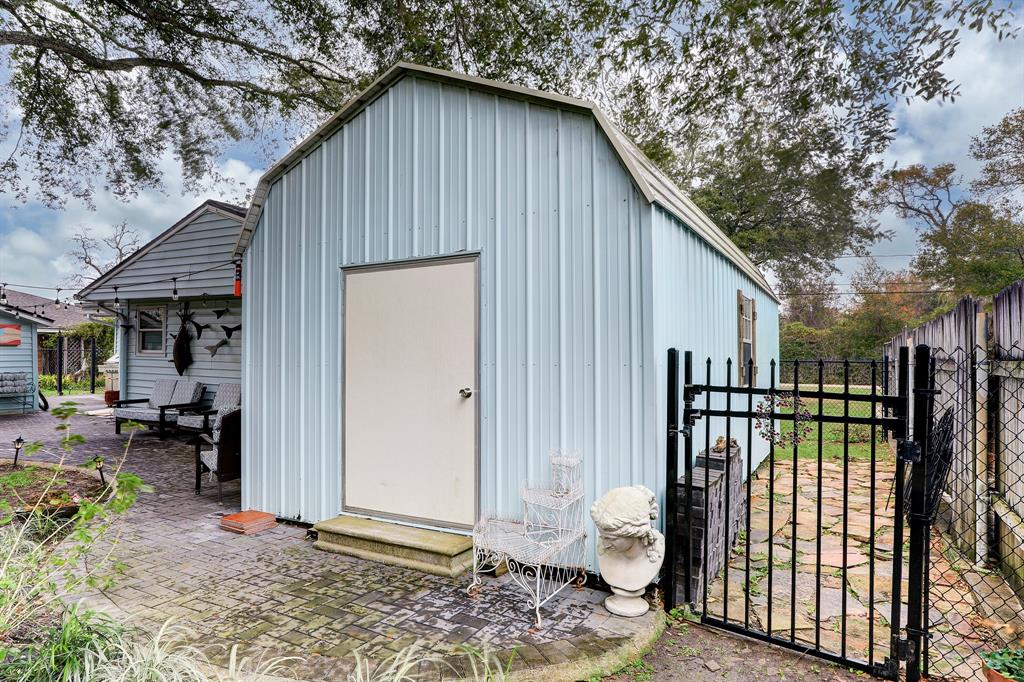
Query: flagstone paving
{"x": 273, "y": 595}
{"x": 850, "y": 583}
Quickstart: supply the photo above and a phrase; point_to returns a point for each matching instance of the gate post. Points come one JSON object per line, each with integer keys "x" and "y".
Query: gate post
{"x": 917, "y": 580}
{"x": 671, "y": 474}
{"x": 688, "y": 477}
{"x": 900, "y": 432}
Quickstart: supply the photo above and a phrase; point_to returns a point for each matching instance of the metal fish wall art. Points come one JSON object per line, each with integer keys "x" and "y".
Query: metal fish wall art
{"x": 182, "y": 351}
{"x": 199, "y": 328}
{"x": 216, "y": 347}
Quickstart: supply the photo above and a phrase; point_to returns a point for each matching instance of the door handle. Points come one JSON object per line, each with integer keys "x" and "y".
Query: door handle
{"x": 465, "y": 392}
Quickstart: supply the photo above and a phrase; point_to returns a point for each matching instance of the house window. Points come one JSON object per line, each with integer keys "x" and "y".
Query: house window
{"x": 152, "y": 327}
{"x": 747, "y": 316}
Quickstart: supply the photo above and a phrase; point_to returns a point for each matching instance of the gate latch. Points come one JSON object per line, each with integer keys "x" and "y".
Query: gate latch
{"x": 908, "y": 451}
{"x": 906, "y": 650}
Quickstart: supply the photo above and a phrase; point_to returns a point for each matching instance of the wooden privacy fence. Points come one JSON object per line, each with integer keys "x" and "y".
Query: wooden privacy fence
{"x": 978, "y": 356}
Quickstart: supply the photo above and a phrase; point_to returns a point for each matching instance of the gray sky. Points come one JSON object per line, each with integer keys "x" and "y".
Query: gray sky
{"x": 34, "y": 239}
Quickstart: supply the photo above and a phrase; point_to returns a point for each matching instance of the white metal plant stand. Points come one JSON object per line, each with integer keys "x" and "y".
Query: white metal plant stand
{"x": 544, "y": 550}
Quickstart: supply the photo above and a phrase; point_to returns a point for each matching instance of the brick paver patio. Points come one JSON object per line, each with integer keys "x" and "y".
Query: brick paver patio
{"x": 274, "y": 595}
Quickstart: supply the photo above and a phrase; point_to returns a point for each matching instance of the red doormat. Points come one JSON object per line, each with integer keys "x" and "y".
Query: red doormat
{"x": 248, "y": 522}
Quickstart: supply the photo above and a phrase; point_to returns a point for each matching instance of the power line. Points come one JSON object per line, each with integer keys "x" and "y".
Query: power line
{"x": 866, "y": 292}
{"x": 878, "y": 255}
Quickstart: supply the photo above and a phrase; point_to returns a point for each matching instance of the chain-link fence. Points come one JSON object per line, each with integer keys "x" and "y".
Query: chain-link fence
{"x": 74, "y": 360}
{"x": 976, "y": 563}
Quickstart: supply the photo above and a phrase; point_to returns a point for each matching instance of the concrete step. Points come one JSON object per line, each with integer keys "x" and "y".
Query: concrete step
{"x": 430, "y": 551}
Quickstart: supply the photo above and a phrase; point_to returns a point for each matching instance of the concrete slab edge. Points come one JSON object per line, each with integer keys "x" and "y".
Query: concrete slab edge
{"x": 608, "y": 663}
{"x": 454, "y": 571}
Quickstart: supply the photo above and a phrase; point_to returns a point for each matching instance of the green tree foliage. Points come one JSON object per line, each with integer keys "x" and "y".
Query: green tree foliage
{"x": 885, "y": 303}
{"x": 980, "y": 253}
{"x": 967, "y": 245}
{"x": 796, "y": 94}
{"x": 797, "y": 341}
{"x": 1001, "y": 150}
{"x": 102, "y": 332}
{"x": 791, "y": 205}
{"x": 809, "y": 299}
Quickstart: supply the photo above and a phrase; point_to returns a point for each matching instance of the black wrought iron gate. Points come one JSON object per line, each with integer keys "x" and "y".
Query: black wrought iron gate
{"x": 803, "y": 518}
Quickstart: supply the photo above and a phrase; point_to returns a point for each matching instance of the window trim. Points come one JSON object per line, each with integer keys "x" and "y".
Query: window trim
{"x": 742, "y": 301}
{"x": 163, "y": 330}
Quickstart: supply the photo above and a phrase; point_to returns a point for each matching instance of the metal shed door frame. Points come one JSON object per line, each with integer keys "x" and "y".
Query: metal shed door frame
{"x": 466, "y": 256}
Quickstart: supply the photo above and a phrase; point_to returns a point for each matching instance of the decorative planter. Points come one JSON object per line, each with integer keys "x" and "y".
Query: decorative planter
{"x": 110, "y": 396}
{"x": 995, "y": 676}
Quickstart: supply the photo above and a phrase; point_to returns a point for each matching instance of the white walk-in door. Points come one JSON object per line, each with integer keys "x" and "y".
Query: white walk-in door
{"x": 410, "y": 417}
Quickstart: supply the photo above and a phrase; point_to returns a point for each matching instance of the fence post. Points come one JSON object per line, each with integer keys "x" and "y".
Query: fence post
{"x": 60, "y": 363}
{"x": 671, "y": 474}
{"x": 917, "y": 580}
{"x": 92, "y": 365}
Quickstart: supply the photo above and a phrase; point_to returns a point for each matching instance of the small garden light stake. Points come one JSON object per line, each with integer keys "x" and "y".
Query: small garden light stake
{"x": 19, "y": 443}
{"x": 98, "y": 463}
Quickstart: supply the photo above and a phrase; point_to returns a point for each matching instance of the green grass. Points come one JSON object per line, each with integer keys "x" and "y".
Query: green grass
{"x": 48, "y": 385}
{"x": 835, "y": 436}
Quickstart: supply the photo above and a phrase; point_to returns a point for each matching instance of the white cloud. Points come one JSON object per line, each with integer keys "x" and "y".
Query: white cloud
{"x": 34, "y": 240}
{"x": 991, "y": 77}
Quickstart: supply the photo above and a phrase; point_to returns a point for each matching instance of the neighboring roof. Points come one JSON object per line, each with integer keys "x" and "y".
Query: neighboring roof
{"x": 54, "y": 316}
{"x": 220, "y": 207}
{"x": 10, "y": 311}
{"x": 652, "y": 183}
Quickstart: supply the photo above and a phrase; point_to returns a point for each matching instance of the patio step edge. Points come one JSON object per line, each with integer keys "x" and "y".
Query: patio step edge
{"x": 434, "y": 552}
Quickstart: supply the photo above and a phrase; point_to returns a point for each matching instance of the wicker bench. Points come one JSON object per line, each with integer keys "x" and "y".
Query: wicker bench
{"x": 18, "y": 387}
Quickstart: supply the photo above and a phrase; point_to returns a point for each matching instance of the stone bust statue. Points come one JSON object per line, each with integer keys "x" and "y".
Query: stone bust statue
{"x": 629, "y": 549}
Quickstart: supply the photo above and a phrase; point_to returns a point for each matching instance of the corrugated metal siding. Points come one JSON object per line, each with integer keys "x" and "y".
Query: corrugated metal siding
{"x": 695, "y": 308}
{"x": 208, "y": 240}
{"x": 23, "y": 358}
{"x": 430, "y": 169}
{"x": 140, "y": 371}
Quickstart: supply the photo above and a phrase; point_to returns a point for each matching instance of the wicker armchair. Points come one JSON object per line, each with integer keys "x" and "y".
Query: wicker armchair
{"x": 220, "y": 452}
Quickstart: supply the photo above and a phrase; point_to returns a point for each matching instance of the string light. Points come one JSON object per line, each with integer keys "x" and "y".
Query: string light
{"x": 56, "y": 299}
{"x": 174, "y": 292}
{"x": 117, "y": 301}
{"x": 107, "y": 287}
{"x": 238, "y": 278}
{"x": 3, "y": 294}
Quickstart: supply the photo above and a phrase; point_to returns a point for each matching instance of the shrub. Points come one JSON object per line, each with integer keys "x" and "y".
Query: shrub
{"x": 41, "y": 560}
{"x": 1007, "y": 661}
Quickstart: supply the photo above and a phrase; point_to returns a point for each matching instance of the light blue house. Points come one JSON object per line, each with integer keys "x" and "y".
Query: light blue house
{"x": 453, "y": 277}
{"x": 19, "y": 359}
{"x": 188, "y": 263}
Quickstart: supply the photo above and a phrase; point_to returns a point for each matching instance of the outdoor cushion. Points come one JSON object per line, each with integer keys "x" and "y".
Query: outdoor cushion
{"x": 193, "y": 421}
{"x": 163, "y": 390}
{"x": 228, "y": 395}
{"x": 196, "y": 421}
{"x": 144, "y": 414}
{"x": 185, "y": 391}
{"x": 209, "y": 458}
{"x": 15, "y": 383}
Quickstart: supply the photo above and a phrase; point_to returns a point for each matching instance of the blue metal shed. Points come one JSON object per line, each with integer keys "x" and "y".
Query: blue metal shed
{"x": 586, "y": 264}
